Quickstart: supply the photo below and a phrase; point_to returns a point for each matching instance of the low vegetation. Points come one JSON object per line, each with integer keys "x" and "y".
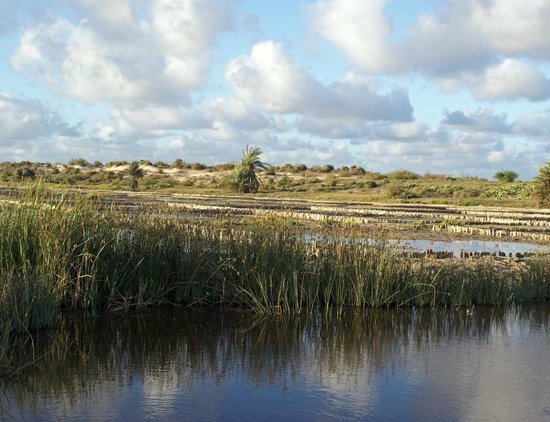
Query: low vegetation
{"x": 542, "y": 187}
{"x": 506, "y": 176}
{"x": 251, "y": 175}
{"x": 67, "y": 252}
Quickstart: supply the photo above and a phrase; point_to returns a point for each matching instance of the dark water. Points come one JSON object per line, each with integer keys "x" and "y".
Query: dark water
{"x": 489, "y": 364}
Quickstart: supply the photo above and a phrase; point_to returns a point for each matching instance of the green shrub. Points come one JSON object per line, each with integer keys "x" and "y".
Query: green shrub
{"x": 403, "y": 175}
{"x": 506, "y": 176}
{"x": 542, "y": 187}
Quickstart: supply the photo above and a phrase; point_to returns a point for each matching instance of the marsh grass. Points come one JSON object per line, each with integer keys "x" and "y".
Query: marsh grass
{"x": 72, "y": 252}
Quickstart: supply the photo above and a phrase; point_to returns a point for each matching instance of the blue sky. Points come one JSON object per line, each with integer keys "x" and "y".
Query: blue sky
{"x": 445, "y": 86}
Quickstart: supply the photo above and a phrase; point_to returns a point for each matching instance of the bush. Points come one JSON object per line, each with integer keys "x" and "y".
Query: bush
{"x": 515, "y": 191}
{"x": 357, "y": 171}
{"x": 197, "y": 166}
{"x": 395, "y": 190}
{"x": 178, "y": 164}
{"x": 25, "y": 173}
{"x": 79, "y": 162}
{"x": 506, "y": 176}
{"x": 403, "y": 175}
{"x": 223, "y": 167}
{"x": 542, "y": 188}
{"x": 284, "y": 182}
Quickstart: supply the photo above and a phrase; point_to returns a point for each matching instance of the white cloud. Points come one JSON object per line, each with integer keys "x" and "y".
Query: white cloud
{"x": 480, "y": 45}
{"x": 236, "y": 113}
{"x": 24, "y": 120}
{"x": 358, "y": 27}
{"x": 108, "y": 15}
{"x": 479, "y": 121}
{"x": 409, "y": 131}
{"x": 267, "y": 78}
{"x": 162, "y": 118}
{"x": 509, "y": 80}
{"x": 459, "y": 154}
{"x": 330, "y": 129}
{"x": 124, "y": 60}
{"x": 535, "y": 125}
{"x": 19, "y": 119}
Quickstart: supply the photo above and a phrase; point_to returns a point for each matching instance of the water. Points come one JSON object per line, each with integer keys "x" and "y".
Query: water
{"x": 485, "y": 364}
{"x": 454, "y": 246}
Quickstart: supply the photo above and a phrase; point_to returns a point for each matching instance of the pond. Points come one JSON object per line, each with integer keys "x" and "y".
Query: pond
{"x": 180, "y": 364}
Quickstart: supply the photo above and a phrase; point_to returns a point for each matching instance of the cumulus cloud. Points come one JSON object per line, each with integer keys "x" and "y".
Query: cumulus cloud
{"x": 267, "y": 78}
{"x": 509, "y": 79}
{"x": 457, "y": 153}
{"x": 161, "y": 119}
{"x": 107, "y": 15}
{"x": 481, "y": 45}
{"x": 23, "y": 120}
{"x": 330, "y": 129}
{"x": 411, "y": 131}
{"x": 236, "y": 113}
{"x": 479, "y": 121}
{"x": 535, "y": 125}
{"x": 159, "y": 58}
{"x": 359, "y": 28}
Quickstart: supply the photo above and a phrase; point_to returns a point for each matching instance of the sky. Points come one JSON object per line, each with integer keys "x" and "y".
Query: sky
{"x": 459, "y": 87}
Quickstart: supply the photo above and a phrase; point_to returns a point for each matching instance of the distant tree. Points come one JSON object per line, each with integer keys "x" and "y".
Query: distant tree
{"x": 79, "y": 162}
{"x": 178, "y": 163}
{"x": 25, "y": 173}
{"x": 245, "y": 178}
{"x": 506, "y": 176}
{"x": 542, "y": 190}
{"x": 135, "y": 173}
{"x": 197, "y": 166}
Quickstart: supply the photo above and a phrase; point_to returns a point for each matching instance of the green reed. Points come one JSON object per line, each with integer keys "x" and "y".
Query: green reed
{"x": 73, "y": 252}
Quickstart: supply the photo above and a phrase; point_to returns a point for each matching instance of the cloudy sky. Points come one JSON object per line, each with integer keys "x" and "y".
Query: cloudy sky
{"x": 448, "y": 86}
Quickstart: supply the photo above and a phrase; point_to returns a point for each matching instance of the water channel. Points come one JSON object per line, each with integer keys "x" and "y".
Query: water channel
{"x": 181, "y": 364}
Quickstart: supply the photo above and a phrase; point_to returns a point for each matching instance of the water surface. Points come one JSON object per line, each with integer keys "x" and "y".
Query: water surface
{"x": 485, "y": 364}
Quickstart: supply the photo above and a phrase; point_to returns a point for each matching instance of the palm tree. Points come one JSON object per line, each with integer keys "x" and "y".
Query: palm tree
{"x": 135, "y": 173}
{"x": 245, "y": 178}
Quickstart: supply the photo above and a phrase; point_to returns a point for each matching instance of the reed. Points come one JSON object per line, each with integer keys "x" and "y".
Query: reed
{"x": 71, "y": 252}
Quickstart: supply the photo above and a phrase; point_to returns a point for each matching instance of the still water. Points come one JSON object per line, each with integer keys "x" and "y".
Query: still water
{"x": 454, "y": 246}
{"x": 166, "y": 364}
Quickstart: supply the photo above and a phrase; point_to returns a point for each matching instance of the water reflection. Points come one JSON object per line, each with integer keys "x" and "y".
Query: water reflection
{"x": 207, "y": 365}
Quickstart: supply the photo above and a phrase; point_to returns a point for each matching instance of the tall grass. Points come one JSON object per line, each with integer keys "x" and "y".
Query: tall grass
{"x": 76, "y": 253}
